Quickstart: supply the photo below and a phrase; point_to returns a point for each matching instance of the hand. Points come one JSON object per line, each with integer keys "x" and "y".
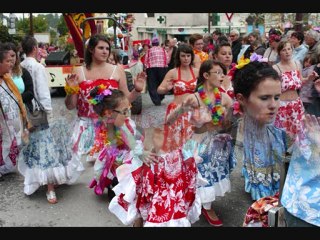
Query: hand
{"x": 169, "y": 85}
{"x": 191, "y": 101}
{"x": 313, "y": 76}
{"x": 140, "y": 81}
{"x": 317, "y": 85}
{"x": 149, "y": 158}
{"x": 72, "y": 80}
{"x": 312, "y": 124}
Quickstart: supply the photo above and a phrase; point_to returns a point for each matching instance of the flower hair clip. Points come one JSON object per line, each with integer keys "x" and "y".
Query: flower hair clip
{"x": 256, "y": 57}
{"x": 253, "y": 58}
{"x": 102, "y": 92}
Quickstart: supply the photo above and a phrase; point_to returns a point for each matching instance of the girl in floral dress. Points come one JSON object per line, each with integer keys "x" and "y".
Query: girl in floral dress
{"x": 183, "y": 81}
{"x": 291, "y": 111}
{"x": 96, "y": 71}
{"x": 213, "y": 141}
{"x": 260, "y": 146}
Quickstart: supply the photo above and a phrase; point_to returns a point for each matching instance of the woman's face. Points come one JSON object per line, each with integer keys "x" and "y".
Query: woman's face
{"x": 13, "y": 55}
{"x": 198, "y": 45}
{"x": 263, "y": 102}
{"x": 224, "y": 56}
{"x": 215, "y": 76}
{"x": 185, "y": 58}
{"x": 286, "y": 52}
{"x": 101, "y": 51}
{"x": 6, "y": 64}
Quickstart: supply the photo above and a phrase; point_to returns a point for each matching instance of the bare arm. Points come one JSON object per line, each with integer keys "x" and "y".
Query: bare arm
{"x": 73, "y": 81}
{"x": 167, "y": 83}
{"x": 311, "y": 77}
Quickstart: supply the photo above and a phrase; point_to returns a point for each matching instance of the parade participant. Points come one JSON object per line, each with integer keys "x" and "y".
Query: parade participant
{"x": 46, "y": 160}
{"x": 213, "y": 143}
{"x": 13, "y": 120}
{"x": 291, "y": 111}
{"x": 299, "y": 201}
{"x": 183, "y": 81}
{"x": 118, "y": 136}
{"x": 96, "y": 71}
{"x": 161, "y": 193}
{"x": 196, "y": 42}
{"x": 260, "y": 146}
{"x": 223, "y": 53}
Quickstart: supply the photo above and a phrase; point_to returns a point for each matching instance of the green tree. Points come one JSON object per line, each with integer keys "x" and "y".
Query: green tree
{"x": 255, "y": 19}
{"x": 40, "y": 24}
{"x": 62, "y": 26}
{"x": 6, "y": 37}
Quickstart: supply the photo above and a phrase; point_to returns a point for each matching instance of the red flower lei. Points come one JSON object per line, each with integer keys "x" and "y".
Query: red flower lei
{"x": 217, "y": 109}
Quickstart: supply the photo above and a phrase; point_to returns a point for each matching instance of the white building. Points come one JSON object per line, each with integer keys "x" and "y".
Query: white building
{"x": 182, "y": 25}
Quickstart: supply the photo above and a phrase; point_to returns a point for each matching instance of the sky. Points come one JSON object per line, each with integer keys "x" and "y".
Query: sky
{"x": 26, "y": 15}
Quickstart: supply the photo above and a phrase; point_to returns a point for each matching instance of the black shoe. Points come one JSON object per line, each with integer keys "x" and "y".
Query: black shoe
{"x": 111, "y": 193}
{"x": 1, "y": 178}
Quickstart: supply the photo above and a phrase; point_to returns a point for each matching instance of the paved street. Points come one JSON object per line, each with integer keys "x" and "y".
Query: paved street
{"x": 78, "y": 206}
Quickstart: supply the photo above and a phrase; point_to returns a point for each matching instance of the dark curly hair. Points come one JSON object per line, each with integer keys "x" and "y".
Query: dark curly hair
{"x": 249, "y": 77}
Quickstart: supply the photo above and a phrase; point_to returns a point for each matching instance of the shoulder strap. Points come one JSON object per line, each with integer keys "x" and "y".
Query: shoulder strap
{"x": 115, "y": 66}
{"x": 179, "y": 73}
{"x": 192, "y": 73}
{"x": 279, "y": 68}
{"x": 84, "y": 76}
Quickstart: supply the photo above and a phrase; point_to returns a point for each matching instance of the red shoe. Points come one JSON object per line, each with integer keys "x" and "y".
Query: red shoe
{"x": 215, "y": 223}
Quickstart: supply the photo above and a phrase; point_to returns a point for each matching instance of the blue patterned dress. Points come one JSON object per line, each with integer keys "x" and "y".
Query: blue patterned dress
{"x": 261, "y": 150}
{"x": 301, "y": 191}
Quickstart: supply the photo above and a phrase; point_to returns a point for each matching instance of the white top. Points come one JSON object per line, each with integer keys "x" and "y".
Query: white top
{"x": 40, "y": 82}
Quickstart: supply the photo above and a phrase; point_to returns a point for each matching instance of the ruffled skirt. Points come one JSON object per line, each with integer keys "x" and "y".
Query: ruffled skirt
{"x": 47, "y": 159}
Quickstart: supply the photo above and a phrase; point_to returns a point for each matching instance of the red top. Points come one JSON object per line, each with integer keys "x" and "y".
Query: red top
{"x": 181, "y": 87}
{"x": 84, "y": 107}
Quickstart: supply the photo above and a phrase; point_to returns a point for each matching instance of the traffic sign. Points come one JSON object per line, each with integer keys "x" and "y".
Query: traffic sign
{"x": 229, "y": 23}
{"x": 229, "y": 16}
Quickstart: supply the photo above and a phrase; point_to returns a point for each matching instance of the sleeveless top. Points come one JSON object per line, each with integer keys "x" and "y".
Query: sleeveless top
{"x": 290, "y": 80}
{"x": 84, "y": 107}
{"x": 181, "y": 87}
{"x": 18, "y": 81}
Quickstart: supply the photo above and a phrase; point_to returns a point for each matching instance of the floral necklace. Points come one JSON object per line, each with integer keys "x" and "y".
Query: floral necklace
{"x": 101, "y": 138}
{"x": 216, "y": 110}
{"x": 203, "y": 55}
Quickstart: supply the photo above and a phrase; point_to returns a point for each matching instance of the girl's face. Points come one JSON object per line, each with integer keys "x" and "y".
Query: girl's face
{"x": 215, "y": 76}
{"x": 224, "y": 56}
{"x": 122, "y": 111}
{"x": 263, "y": 102}
{"x": 307, "y": 63}
{"x": 101, "y": 51}
{"x": 185, "y": 58}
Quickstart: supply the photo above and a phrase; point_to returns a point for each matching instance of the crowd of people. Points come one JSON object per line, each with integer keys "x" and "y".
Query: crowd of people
{"x": 236, "y": 100}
